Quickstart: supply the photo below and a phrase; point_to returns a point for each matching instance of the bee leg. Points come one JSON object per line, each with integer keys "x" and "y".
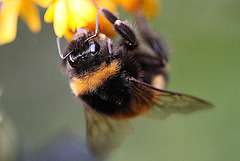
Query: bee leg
{"x": 110, "y": 46}
{"x": 151, "y": 39}
{"x": 121, "y": 27}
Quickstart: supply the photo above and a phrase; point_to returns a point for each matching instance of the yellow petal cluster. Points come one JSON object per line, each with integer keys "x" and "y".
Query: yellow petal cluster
{"x": 9, "y": 12}
{"x": 68, "y": 15}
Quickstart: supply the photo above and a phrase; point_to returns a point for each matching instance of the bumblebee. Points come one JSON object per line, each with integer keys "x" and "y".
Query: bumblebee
{"x": 119, "y": 81}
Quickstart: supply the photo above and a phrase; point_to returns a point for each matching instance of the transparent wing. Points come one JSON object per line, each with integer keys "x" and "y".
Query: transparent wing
{"x": 105, "y": 134}
{"x": 166, "y": 102}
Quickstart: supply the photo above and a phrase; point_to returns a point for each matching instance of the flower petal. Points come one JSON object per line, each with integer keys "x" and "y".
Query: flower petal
{"x": 48, "y": 16}
{"x": 8, "y": 21}
{"x": 130, "y": 5}
{"x": 75, "y": 16}
{"x": 105, "y": 26}
{"x": 60, "y": 18}
{"x": 88, "y": 10}
{"x": 30, "y": 14}
{"x": 69, "y": 35}
{"x": 43, "y": 3}
{"x": 150, "y": 8}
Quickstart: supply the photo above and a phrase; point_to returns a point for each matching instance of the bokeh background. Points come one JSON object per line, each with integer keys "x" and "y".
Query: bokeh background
{"x": 43, "y": 121}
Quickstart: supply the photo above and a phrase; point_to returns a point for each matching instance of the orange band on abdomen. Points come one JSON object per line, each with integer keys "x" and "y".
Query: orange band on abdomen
{"x": 92, "y": 80}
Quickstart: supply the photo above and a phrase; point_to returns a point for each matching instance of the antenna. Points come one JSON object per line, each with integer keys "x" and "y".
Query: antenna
{"x": 60, "y": 51}
{"x": 96, "y": 30}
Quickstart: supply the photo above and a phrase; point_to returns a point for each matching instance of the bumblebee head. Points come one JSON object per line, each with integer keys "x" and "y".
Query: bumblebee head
{"x": 82, "y": 52}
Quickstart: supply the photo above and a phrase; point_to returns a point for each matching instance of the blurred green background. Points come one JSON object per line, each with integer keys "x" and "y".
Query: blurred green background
{"x": 204, "y": 40}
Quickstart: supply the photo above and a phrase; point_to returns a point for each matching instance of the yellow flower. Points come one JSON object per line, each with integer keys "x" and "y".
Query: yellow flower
{"x": 9, "y": 12}
{"x": 67, "y": 15}
{"x": 149, "y": 8}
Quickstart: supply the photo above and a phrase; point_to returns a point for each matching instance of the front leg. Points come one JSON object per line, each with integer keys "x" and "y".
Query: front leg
{"x": 152, "y": 39}
{"x": 121, "y": 27}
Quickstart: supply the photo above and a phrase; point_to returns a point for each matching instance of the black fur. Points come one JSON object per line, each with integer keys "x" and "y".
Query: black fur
{"x": 116, "y": 94}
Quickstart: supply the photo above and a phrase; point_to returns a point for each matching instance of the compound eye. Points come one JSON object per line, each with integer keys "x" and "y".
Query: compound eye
{"x": 94, "y": 47}
{"x": 73, "y": 60}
